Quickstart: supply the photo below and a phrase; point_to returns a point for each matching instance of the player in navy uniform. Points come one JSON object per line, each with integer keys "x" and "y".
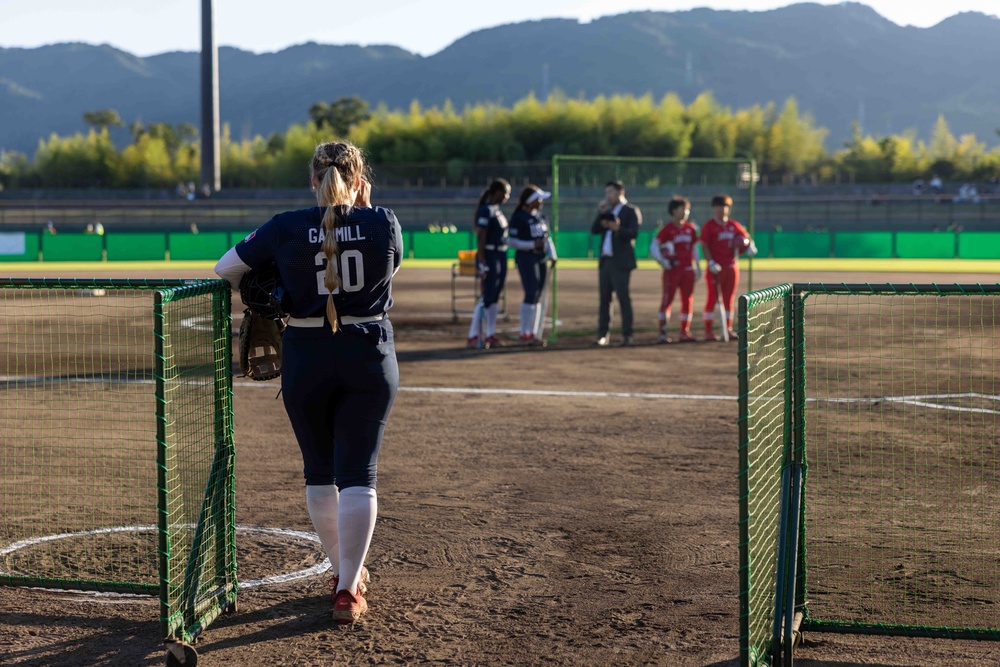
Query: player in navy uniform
{"x": 491, "y": 256}
{"x": 529, "y": 236}
{"x": 339, "y": 374}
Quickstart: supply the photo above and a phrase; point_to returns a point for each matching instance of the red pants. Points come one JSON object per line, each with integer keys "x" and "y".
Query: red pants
{"x": 728, "y": 278}
{"x": 680, "y": 278}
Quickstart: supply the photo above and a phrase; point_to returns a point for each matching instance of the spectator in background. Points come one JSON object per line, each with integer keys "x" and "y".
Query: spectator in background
{"x": 936, "y": 186}
{"x": 192, "y": 191}
{"x": 50, "y": 228}
{"x": 181, "y": 190}
{"x": 618, "y": 224}
{"x": 968, "y": 193}
{"x": 94, "y": 228}
{"x": 918, "y": 186}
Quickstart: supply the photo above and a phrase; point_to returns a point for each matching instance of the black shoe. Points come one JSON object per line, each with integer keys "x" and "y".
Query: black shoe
{"x": 627, "y": 342}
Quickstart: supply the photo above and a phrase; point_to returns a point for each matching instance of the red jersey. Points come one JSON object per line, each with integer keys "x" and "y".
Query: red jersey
{"x": 683, "y": 237}
{"x": 719, "y": 238}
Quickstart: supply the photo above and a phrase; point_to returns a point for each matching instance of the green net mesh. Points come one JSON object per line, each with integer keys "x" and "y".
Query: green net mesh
{"x": 578, "y": 186}
{"x": 764, "y": 378}
{"x": 903, "y": 445}
{"x": 116, "y": 432}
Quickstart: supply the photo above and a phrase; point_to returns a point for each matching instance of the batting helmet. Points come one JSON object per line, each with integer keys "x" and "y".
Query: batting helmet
{"x": 262, "y": 292}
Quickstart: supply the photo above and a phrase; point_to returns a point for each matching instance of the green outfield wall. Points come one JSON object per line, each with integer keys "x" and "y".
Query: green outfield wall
{"x": 571, "y": 244}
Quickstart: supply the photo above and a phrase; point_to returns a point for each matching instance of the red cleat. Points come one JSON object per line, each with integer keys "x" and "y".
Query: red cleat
{"x": 472, "y": 342}
{"x": 493, "y": 342}
{"x": 348, "y": 607}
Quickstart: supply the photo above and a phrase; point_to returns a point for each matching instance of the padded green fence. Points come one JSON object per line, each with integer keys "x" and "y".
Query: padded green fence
{"x": 574, "y": 244}
{"x": 136, "y": 247}
{"x": 204, "y": 246}
{"x": 925, "y": 245}
{"x": 72, "y": 247}
{"x": 19, "y": 247}
{"x": 800, "y": 244}
{"x": 433, "y": 245}
{"x": 979, "y": 245}
{"x": 763, "y": 242}
{"x": 118, "y": 453}
{"x": 864, "y": 245}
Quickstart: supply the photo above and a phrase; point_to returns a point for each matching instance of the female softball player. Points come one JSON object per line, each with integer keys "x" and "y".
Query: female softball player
{"x": 339, "y": 374}
{"x": 675, "y": 247}
{"x": 723, "y": 240}
{"x": 491, "y": 257}
{"x": 534, "y": 248}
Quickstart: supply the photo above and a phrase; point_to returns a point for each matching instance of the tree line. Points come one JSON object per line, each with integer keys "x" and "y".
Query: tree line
{"x": 787, "y": 144}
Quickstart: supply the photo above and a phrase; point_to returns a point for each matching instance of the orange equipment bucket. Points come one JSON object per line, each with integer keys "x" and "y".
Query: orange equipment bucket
{"x": 467, "y": 263}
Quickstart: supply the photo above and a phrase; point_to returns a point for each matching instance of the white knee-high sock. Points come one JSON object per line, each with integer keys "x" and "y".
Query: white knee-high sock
{"x": 358, "y": 507}
{"x": 477, "y": 312}
{"x": 322, "y": 502}
{"x": 533, "y": 320}
{"x": 491, "y": 319}
{"x": 527, "y": 321}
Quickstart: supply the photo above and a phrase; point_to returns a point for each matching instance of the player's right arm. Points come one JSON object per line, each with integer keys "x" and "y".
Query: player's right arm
{"x": 255, "y": 251}
{"x": 706, "y": 238}
{"x": 654, "y": 250}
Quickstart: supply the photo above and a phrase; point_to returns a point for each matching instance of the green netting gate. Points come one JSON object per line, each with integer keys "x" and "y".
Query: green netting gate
{"x": 869, "y": 463}
{"x": 116, "y": 441}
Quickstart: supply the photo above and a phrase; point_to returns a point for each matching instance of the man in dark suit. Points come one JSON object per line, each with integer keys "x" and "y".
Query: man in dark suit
{"x": 618, "y": 224}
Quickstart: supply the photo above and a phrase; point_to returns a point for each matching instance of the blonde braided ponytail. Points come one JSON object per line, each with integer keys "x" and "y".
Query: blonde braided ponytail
{"x": 337, "y": 167}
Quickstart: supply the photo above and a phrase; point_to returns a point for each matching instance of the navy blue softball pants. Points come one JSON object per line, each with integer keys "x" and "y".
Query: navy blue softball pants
{"x": 496, "y": 275}
{"x": 338, "y": 390}
{"x": 533, "y": 268}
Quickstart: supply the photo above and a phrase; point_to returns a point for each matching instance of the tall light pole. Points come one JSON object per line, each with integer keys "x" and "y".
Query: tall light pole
{"x": 211, "y": 172}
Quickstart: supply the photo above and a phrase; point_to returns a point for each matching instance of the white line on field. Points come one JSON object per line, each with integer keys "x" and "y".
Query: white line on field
{"x": 545, "y": 392}
{"x": 921, "y": 401}
{"x": 318, "y": 568}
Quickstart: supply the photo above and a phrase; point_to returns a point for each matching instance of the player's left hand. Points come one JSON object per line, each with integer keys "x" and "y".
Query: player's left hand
{"x": 697, "y": 271}
{"x": 752, "y": 250}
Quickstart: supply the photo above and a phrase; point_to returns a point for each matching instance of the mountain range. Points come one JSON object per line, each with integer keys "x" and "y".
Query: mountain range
{"x": 841, "y": 62}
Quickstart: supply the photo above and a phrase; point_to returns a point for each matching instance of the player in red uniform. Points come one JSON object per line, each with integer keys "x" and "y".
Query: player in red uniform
{"x": 675, "y": 248}
{"x": 723, "y": 241}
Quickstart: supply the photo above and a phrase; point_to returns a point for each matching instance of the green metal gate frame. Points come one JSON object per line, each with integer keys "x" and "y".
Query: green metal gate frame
{"x": 192, "y": 592}
{"x": 784, "y": 563}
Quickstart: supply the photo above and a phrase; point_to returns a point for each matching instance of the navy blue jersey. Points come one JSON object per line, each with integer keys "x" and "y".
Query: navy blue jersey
{"x": 491, "y": 218}
{"x": 525, "y": 226}
{"x": 371, "y": 249}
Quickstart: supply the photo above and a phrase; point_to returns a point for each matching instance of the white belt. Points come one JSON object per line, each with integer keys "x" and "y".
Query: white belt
{"x": 496, "y": 247}
{"x": 317, "y": 322}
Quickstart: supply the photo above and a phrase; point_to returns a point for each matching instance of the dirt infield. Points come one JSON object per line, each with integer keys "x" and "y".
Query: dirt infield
{"x": 570, "y": 526}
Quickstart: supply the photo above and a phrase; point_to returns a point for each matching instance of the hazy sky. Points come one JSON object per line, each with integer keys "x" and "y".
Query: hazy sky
{"x": 423, "y": 26}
